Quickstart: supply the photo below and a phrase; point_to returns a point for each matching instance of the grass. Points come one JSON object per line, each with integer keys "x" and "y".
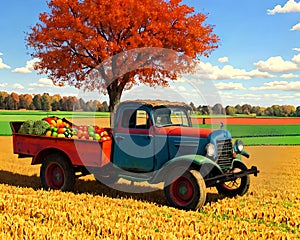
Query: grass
{"x": 260, "y": 141}
{"x": 4, "y": 128}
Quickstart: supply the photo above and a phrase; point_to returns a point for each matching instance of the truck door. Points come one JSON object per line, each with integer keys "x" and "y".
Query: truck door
{"x": 134, "y": 142}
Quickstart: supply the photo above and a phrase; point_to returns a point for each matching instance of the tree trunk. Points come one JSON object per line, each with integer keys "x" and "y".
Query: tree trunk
{"x": 114, "y": 91}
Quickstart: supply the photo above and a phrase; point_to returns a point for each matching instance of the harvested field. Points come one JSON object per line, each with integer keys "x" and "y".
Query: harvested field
{"x": 270, "y": 210}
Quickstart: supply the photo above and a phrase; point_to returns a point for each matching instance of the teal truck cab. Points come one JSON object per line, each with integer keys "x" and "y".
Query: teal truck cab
{"x": 152, "y": 141}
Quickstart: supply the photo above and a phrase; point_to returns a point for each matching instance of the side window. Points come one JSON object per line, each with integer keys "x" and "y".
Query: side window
{"x": 133, "y": 118}
{"x": 142, "y": 119}
{"x": 127, "y": 118}
{"x": 179, "y": 117}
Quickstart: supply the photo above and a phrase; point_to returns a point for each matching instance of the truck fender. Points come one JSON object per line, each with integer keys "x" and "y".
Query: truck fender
{"x": 243, "y": 153}
{"x": 198, "y": 162}
{"x": 38, "y": 158}
{"x": 238, "y": 163}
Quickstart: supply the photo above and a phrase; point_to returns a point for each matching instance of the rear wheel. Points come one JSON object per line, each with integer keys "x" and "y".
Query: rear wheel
{"x": 187, "y": 191}
{"x": 57, "y": 173}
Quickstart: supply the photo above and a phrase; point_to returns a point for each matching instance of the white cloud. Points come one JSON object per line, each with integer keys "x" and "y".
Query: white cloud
{"x": 289, "y": 75}
{"x": 296, "y": 59}
{"x": 296, "y": 27}
{"x": 181, "y": 88}
{"x": 206, "y": 71}
{"x": 28, "y": 68}
{"x": 278, "y": 65}
{"x": 43, "y": 83}
{"x": 17, "y": 86}
{"x": 279, "y": 85}
{"x": 271, "y": 95}
{"x": 223, "y": 59}
{"x": 229, "y": 86}
{"x": 3, "y": 65}
{"x": 260, "y": 98}
{"x": 260, "y": 74}
{"x": 290, "y": 6}
{"x": 3, "y": 85}
{"x": 296, "y": 49}
{"x": 235, "y": 98}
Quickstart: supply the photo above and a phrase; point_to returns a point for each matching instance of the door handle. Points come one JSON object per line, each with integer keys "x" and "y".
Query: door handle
{"x": 149, "y": 136}
{"x": 119, "y": 138}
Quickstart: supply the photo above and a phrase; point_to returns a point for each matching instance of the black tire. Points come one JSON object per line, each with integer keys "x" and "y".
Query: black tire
{"x": 57, "y": 173}
{"x": 187, "y": 191}
{"x": 240, "y": 186}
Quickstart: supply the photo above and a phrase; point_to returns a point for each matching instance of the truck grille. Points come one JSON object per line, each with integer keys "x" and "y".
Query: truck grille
{"x": 224, "y": 158}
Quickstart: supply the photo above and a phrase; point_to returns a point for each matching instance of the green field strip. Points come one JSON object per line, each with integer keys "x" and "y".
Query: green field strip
{"x": 5, "y": 129}
{"x": 272, "y": 141}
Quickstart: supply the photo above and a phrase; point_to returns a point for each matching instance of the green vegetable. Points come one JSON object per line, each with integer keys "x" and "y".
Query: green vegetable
{"x": 40, "y": 127}
{"x": 27, "y": 127}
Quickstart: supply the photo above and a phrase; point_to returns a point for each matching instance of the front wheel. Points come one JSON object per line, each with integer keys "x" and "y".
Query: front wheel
{"x": 57, "y": 173}
{"x": 236, "y": 187}
{"x": 187, "y": 191}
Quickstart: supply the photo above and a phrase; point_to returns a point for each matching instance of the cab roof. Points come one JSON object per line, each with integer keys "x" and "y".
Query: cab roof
{"x": 155, "y": 103}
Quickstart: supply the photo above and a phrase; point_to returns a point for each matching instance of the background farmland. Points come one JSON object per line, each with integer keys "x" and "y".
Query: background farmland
{"x": 270, "y": 210}
{"x": 257, "y": 131}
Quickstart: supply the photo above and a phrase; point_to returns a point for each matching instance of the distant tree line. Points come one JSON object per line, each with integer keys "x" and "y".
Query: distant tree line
{"x": 45, "y": 102}
{"x": 274, "y": 110}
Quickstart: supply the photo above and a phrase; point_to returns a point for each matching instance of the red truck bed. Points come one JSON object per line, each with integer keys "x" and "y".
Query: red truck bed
{"x": 88, "y": 153}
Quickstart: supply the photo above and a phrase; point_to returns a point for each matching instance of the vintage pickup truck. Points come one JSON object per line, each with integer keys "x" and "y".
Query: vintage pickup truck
{"x": 152, "y": 141}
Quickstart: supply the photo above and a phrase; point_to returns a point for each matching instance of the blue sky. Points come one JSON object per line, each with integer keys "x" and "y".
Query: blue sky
{"x": 257, "y": 62}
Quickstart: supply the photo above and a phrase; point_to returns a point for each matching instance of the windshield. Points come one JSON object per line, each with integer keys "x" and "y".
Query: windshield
{"x": 171, "y": 116}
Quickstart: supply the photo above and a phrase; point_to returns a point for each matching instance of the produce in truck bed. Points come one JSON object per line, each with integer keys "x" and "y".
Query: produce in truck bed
{"x": 26, "y": 127}
{"x": 62, "y": 128}
{"x": 91, "y": 133}
{"x": 40, "y": 127}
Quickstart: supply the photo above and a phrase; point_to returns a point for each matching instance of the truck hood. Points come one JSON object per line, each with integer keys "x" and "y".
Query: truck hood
{"x": 188, "y": 132}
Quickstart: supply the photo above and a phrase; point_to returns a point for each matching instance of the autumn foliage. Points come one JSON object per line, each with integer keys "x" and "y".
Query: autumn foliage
{"x": 92, "y": 44}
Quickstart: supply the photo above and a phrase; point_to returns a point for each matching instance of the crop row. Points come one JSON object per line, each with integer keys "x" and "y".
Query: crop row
{"x": 29, "y": 214}
{"x": 270, "y": 210}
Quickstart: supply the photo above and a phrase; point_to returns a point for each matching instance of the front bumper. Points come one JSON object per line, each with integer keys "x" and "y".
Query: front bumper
{"x": 226, "y": 177}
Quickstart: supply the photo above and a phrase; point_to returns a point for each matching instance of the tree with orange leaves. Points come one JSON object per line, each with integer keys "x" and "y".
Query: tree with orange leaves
{"x": 110, "y": 46}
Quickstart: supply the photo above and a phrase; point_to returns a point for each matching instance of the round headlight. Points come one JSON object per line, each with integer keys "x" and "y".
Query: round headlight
{"x": 210, "y": 150}
{"x": 238, "y": 146}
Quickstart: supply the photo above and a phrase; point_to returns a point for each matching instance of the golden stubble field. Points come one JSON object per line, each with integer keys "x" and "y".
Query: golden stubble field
{"x": 270, "y": 210}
